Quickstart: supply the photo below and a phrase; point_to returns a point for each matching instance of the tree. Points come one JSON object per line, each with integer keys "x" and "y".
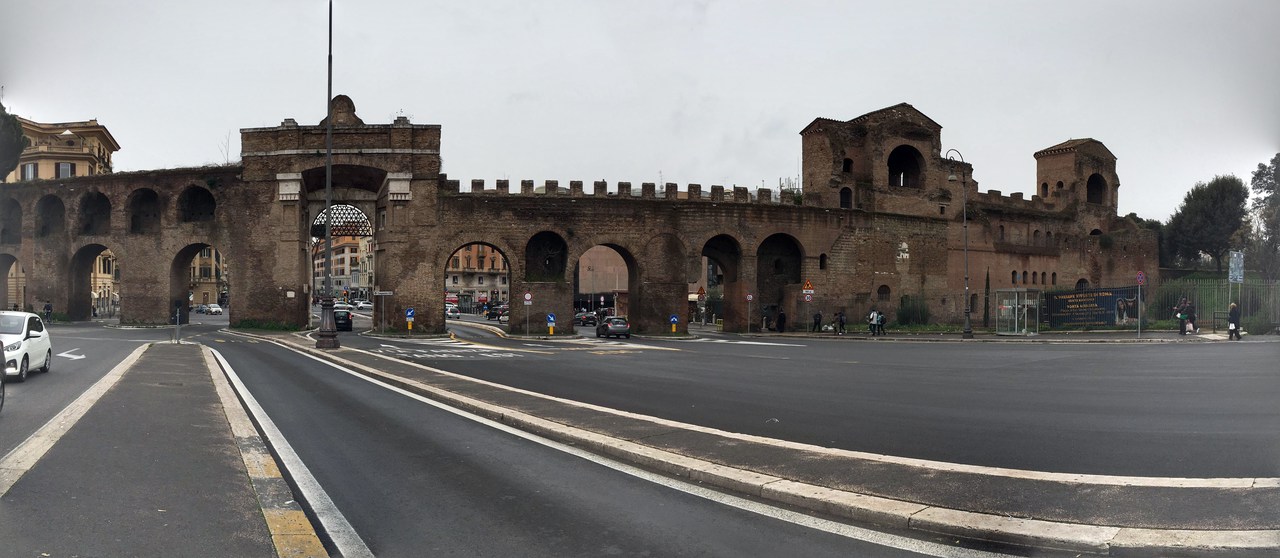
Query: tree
{"x": 12, "y": 142}
{"x": 1264, "y": 249}
{"x": 1208, "y": 217}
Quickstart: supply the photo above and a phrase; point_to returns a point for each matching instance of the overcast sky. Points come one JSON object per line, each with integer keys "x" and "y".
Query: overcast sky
{"x": 711, "y": 92}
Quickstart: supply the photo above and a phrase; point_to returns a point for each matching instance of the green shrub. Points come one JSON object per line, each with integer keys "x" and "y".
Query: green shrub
{"x": 913, "y": 311}
{"x": 271, "y": 326}
{"x": 1258, "y": 325}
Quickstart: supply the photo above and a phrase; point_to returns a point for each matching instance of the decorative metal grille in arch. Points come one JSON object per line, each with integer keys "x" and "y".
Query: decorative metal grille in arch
{"x": 347, "y": 221}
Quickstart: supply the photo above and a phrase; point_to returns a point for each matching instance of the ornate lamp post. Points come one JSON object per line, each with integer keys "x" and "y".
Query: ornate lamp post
{"x": 964, "y": 209}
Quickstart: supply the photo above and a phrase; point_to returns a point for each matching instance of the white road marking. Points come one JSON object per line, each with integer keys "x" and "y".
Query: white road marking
{"x": 340, "y": 531}
{"x": 836, "y": 528}
{"x": 67, "y": 354}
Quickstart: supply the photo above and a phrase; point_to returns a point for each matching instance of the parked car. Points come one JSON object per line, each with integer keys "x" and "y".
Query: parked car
{"x": 495, "y": 311}
{"x": 26, "y": 344}
{"x": 615, "y": 326}
{"x": 451, "y": 311}
{"x": 201, "y": 309}
{"x": 213, "y": 309}
{"x": 504, "y": 317}
{"x": 585, "y": 319}
{"x": 342, "y": 320}
{"x": 364, "y": 305}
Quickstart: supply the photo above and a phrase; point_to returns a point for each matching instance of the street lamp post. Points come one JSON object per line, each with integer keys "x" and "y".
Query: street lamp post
{"x": 964, "y": 212}
{"x": 327, "y": 337}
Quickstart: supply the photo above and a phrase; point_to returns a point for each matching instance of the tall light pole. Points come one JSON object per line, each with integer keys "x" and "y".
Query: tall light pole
{"x": 964, "y": 212}
{"x": 327, "y": 337}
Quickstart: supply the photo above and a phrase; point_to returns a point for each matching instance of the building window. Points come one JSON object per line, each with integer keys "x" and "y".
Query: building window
{"x": 206, "y": 253}
{"x": 1014, "y": 278}
{"x": 1055, "y": 277}
{"x": 882, "y": 294}
{"x": 1034, "y": 278}
{"x": 206, "y": 272}
{"x": 479, "y": 279}
{"x": 456, "y": 262}
{"x": 846, "y": 198}
{"x": 1024, "y": 277}
{"x": 455, "y": 279}
{"x": 847, "y": 166}
{"x": 503, "y": 280}
{"x": 822, "y": 261}
{"x": 66, "y": 170}
{"x": 30, "y": 171}
{"x": 1001, "y": 238}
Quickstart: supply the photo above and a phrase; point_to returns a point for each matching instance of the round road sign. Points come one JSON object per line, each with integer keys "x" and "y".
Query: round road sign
{"x": 750, "y": 298}
{"x": 528, "y": 296}
{"x": 1142, "y": 278}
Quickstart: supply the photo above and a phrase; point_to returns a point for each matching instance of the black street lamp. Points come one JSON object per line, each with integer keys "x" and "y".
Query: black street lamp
{"x": 327, "y": 337}
{"x": 964, "y": 212}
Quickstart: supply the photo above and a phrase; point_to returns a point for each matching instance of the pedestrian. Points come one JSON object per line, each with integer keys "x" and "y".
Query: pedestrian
{"x": 817, "y": 321}
{"x": 1233, "y": 322}
{"x": 871, "y": 322}
{"x": 48, "y": 310}
{"x": 1180, "y": 312}
{"x": 840, "y": 319}
{"x": 1191, "y": 317}
{"x": 880, "y": 319}
{"x": 782, "y": 321}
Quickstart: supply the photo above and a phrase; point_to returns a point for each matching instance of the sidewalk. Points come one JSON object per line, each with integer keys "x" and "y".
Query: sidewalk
{"x": 160, "y": 464}
{"x": 1134, "y": 516}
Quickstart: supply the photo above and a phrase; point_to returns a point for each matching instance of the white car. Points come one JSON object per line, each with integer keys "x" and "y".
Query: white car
{"x": 26, "y": 344}
{"x": 342, "y": 306}
{"x": 452, "y": 312}
{"x": 214, "y": 309}
{"x": 364, "y": 305}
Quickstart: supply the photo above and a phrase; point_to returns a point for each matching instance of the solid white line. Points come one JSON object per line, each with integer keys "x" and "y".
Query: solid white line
{"x": 340, "y": 531}
{"x": 22, "y": 458}
{"x": 849, "y": 531}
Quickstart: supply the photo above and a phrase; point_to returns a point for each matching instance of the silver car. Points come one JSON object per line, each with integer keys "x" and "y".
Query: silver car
{"x": 26, "y": 344}
{"x": 615, "y": 326}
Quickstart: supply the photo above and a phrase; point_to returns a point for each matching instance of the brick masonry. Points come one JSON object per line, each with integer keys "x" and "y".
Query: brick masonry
{"x": 856, "y": 235}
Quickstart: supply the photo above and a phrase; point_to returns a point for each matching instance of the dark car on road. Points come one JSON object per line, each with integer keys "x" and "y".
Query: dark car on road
{"x": 616, "y": 326}
{"x": 495, "y": 311}
{"x": 585, "y": 319}
{"x": 342, "y": 320}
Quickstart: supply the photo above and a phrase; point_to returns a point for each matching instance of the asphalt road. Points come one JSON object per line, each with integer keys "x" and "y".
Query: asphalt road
{"x": 1159, "y": 409}
{"x": 415, "y": 480}
{"x": 83, "y": 353}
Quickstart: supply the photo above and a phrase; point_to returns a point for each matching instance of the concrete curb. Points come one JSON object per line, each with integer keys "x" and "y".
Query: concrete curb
{"x": 862, "y": 508}
{"x": 291, "y": 530}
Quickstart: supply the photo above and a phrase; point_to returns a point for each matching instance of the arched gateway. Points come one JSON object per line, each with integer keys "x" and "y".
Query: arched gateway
{"x": 856, "y": 230}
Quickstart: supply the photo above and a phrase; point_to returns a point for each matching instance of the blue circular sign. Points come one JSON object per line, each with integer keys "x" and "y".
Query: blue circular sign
{"x": 675, "y": 319}
{"x": 551, "y": 318}
{"x": 408, "y": 312}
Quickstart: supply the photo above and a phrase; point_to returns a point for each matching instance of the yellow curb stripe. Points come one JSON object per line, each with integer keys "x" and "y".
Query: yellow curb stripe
{"x": 291, "y": 531}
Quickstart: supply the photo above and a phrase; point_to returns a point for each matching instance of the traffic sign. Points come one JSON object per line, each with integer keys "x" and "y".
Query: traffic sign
{"x": 528, "y": 296}
{"x": 808, "y": 298}
{"x": 408, "y": 315}
{"x": 383, "y": 293}
{"x": 1235, "y": 268}
{"x": 750, "y": 298}
{"x": 675, "y": 319}
{"x": 808, "y": 287}
{"x": 1142, "y": 278}
{"x": 551, "y": 318}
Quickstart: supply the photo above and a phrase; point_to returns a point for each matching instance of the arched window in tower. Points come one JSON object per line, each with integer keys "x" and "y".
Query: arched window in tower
{"x": 882, "y": 293}
{"x": 1035, "y": 278}
{"x": 1082, "y": 284}
{"x": 1035, "y": 238}
{"x": 1044, "y": 190}
{"x": 822, "y": 261}
{"x": 846, "y": 198}
{"x": 1014, "y": 278}
{"x": 906, "y": 167}
{"x": 1096, "y": 190}
{"x": 847, "y": 165}
{"x": 1024, "y": 276}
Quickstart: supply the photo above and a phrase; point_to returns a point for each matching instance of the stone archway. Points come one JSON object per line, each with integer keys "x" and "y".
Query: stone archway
{"x": 778, "y": 274}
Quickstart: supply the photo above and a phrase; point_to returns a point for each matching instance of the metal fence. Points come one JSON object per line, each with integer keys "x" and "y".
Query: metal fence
{"x": 1259, "y": 300}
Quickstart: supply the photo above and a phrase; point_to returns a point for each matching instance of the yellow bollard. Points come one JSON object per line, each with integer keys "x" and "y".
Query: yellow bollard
{"x": 551, "y": 330}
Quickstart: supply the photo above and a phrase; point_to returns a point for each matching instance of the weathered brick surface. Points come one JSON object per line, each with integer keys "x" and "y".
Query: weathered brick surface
{"x": 895, "y": 239}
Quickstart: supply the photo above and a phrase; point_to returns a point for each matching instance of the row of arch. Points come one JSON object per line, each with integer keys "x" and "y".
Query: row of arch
{"x": 144, "y": 211}
{"x": 1037, "y": 278}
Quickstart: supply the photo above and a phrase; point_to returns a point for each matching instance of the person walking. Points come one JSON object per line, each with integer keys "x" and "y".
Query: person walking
{"x": 1180, "y": 312}
{"x": 48, "y": 310}
{"x": 880, "y": 319}
{"x": 817, "y": 321}
{"x": 840, "y": 320}
{"x": 782, "y": 321}
{"x": 1233, "y": 322}
{"x": 872, "y": 318}
{"x": 1191, "y": 317}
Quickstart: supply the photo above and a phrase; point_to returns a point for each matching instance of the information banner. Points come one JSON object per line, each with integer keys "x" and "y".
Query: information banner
{"x": 1093, "y": 307}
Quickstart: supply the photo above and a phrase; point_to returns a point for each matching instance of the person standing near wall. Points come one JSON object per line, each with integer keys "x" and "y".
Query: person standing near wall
{"x": 1180, "y": 312}
{"x": 1233, "y": 322}
{"x": 782, "y": 321}
{"x": 817, "y": 321}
